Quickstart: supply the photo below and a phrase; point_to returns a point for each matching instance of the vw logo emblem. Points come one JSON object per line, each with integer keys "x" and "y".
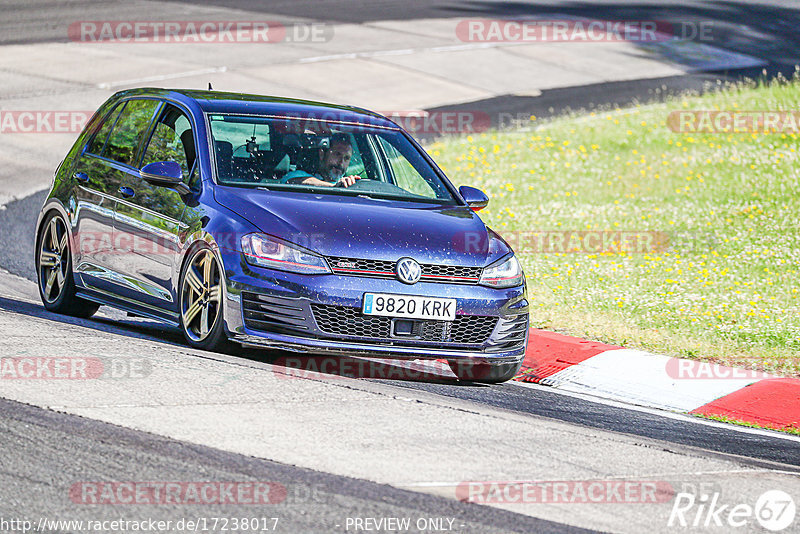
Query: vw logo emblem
{"x": 408, "y": 271}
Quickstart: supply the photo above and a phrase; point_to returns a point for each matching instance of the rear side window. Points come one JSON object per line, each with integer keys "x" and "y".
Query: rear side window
{"x": 128, "y": 131}
{"x": 238, "y": 135}
{"x": 99, "y": 140}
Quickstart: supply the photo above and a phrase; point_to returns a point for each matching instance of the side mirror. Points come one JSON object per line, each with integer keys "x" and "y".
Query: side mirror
{"x": 475, "y": 198}
{"x": 165, "y": 174}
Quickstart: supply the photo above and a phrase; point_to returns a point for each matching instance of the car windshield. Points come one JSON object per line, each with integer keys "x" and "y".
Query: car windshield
{"x": 316, "y": 156}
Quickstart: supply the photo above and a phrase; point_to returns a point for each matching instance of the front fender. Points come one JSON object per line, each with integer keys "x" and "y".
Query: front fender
{"x": 220, "y": 229}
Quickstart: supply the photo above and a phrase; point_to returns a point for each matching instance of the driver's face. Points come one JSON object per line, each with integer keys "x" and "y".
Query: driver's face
{"x": 335, "y": 160}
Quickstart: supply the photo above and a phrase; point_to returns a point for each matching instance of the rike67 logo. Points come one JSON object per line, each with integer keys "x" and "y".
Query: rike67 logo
{"x": 774, "y": 510}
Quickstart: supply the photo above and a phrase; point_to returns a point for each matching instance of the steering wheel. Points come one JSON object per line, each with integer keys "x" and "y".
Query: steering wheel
{"x": 367, "y": 185}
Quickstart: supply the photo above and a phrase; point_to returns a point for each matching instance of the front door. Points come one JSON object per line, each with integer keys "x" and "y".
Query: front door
{"x": 149, "y": 222}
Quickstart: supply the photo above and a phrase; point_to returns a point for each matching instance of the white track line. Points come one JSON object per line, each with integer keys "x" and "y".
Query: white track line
{"x": 647, "y": 379}
{"x": 407, "y": 51}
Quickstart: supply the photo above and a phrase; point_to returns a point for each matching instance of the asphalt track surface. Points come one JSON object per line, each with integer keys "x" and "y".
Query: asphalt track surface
{"x": 37, "y": 442}
{"x": 763, "y": 29}
{"x": 767, "y": 30}
{"x": 16, "y": 255}
{"x": 44, "y": 452}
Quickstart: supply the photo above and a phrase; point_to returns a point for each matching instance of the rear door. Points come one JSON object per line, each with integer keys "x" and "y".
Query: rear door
{"x": 95, "y": 194}
{"x": 99, "y": 175}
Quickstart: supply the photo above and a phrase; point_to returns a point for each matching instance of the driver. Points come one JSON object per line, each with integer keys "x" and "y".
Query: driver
{"x": 333, "y": 162}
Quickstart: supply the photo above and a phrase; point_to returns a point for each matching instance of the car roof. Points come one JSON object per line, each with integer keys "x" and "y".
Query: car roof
{"x": 241, "y": 103}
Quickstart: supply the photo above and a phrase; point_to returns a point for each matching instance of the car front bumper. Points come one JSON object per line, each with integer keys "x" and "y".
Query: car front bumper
{"x": 280, "y": 310}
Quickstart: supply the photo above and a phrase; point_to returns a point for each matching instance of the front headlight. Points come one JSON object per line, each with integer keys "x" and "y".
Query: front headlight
{"x": 505, "y": 273}
{"x": 265, "y": 251}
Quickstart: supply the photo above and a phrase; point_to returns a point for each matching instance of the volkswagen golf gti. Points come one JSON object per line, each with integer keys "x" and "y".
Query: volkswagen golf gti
{"x": 282, "y": 224}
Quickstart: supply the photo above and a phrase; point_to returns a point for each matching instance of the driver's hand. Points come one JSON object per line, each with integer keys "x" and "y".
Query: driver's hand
{"x": 347, "y": 181}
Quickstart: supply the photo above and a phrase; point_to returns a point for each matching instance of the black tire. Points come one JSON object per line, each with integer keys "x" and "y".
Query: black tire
{"x": 54, "y": 270}
{"x": 484, "y": 373}
{"x": 212, "y": 337}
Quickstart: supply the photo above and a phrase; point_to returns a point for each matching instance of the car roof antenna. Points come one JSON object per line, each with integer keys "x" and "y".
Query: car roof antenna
{"x": 209, "y": 87}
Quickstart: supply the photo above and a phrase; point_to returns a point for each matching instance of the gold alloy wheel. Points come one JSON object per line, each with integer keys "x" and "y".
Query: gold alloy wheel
{"x": 53, "y": 260}
{"x": 201, "y": 295}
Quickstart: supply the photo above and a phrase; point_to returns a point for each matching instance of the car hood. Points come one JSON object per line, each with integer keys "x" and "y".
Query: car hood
{"x": 357, "y": 227}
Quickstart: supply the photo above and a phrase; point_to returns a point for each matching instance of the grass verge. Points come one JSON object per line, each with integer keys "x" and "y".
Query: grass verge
{"x": 722, "y": 419}
{"x": 713, "y": 274}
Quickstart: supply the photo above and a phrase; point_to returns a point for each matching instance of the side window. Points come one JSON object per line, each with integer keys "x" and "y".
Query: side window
{"x": 172, "y": 140}
{"x": 404, "y": 174}
{"x": 128, "y": 131}
{"x": 356, "y": 162}
{"x": 99, "y": 139}
{"x": 365, "y": 161}
{"x": 239, "y": 133}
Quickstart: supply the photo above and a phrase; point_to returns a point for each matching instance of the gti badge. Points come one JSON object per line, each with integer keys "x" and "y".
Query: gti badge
{"x": 408, "y": 271}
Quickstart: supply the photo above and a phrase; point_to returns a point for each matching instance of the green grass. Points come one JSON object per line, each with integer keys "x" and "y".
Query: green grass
{"x": 723, "y": 419}
{"x": 725, "y": 287}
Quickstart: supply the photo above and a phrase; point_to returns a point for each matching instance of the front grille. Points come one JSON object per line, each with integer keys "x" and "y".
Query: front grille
{"x": 472, "y": 328}
{"x": 273, "y": 314}
{"x": 377, "y": 268}
{"x": 349, "y": 321}
{"x": 469, "y": 274}
{"x": 450, "y": 274}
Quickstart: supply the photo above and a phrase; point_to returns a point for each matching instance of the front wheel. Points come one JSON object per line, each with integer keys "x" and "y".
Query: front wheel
{"x": 484, "y": 373}
{"x": 54, "y": 270}
{"x": 201, "y": 302}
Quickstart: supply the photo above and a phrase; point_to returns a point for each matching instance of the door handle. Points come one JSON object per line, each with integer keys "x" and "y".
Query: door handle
{"x": 126, "y": 192}
{"x": 81, "y": 176}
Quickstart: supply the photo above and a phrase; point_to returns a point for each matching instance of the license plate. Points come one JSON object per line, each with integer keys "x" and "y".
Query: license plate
{"x": 408, "y": 306}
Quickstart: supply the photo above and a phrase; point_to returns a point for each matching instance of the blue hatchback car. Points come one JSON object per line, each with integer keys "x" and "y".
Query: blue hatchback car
{"x": 279, "y": 223}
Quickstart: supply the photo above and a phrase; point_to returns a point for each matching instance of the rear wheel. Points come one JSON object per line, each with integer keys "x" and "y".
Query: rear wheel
{"x": 54, "y": 270}
{"x": 201, "y": 302}
{"x": 484, "y": 373}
